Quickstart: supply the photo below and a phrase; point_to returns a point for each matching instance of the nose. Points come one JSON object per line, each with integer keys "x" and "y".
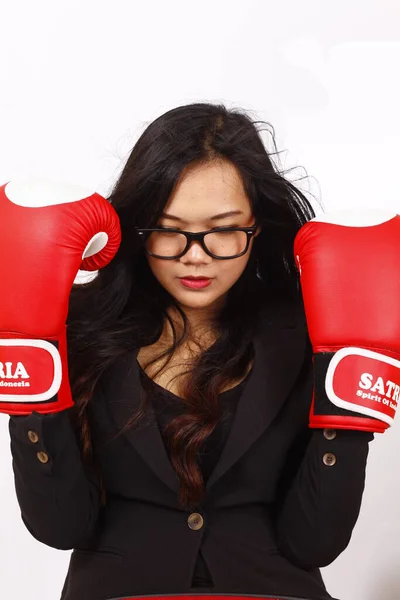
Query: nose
{"x": 195, "y": 254}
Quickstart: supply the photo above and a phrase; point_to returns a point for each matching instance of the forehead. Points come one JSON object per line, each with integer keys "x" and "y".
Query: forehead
{"x": 204, "y": 190}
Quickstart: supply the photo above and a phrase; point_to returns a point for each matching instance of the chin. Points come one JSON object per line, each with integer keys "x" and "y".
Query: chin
{"x": 200, "y": 301}
{"x": 195, "y": 302}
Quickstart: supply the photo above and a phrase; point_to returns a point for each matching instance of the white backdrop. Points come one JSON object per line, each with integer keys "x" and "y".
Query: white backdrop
{"x": 80, "y": 79}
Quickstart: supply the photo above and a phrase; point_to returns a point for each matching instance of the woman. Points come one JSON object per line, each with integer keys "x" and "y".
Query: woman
{"x": 187, "y": 464}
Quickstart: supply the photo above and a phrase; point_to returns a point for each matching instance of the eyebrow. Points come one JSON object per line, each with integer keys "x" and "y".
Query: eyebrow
{"x": 225, "y": 215}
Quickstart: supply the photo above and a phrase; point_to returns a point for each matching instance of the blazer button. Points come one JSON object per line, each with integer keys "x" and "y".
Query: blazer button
{"x": 329, "y": 459}
{"x": 33, "y": 436}
{"x": 329, "y": 434}
{"x": 195, "y": 521}
{"x": 43, "y": 457}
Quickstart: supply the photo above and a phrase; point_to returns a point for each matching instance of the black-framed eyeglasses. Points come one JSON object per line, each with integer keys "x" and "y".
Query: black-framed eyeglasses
{"x": 223, "y": 243}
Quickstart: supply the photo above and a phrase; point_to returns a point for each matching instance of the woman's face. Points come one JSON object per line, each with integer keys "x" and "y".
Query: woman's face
{"x": 202, "y": 193}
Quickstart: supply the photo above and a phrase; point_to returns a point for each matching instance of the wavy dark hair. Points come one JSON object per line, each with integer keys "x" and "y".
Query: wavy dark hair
{"x": 124, "y": 307}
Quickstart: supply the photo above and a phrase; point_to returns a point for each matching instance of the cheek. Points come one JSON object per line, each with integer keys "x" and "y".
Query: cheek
{"x": 230, "y": 271}
{"x": 162, "y": 269}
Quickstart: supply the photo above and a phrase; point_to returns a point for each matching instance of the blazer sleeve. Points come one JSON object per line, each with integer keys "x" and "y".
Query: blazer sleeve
{"x": 320, "y": 495}
{"x": 58, "y": 496}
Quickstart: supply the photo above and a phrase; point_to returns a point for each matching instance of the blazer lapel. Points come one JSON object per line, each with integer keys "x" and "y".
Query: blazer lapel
{"x": 279, "y": 354}
{"x": 122, "y": 391}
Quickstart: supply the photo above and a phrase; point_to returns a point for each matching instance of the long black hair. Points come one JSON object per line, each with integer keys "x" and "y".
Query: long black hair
{"x": 124, "y": 307}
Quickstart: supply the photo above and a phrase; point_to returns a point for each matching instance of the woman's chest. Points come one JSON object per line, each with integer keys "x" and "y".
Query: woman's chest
{"x": 174, "y": 375}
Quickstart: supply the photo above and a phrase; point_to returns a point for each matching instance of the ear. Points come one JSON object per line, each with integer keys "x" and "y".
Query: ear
{"x": 258, "y": 230}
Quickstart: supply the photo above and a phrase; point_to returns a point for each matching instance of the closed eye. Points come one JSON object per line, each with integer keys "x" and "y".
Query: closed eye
{"x": 225, "y": 227}
{"x": 212, "y": 229}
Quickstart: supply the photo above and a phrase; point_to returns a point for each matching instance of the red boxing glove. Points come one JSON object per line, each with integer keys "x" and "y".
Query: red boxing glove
{"x": 48, "y": 231}
{"x": 349, "y": 264}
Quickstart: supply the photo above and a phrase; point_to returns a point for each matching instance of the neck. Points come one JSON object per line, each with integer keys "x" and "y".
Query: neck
{"x": 201, "y": 325}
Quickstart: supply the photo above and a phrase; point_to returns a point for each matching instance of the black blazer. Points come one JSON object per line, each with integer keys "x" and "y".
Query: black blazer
{"x": 281, "y": 502}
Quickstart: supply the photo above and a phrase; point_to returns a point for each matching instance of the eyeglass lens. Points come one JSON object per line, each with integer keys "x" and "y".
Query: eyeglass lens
{"x": 221, "y": 243}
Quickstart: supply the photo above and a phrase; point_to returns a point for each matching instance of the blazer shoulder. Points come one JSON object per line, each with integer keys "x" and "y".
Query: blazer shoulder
{"x": 283, "y": 314}
{"x": 285, "y": 327}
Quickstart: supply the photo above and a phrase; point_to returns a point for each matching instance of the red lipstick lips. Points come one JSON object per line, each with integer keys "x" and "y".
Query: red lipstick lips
{"x": 195, "y": 282}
